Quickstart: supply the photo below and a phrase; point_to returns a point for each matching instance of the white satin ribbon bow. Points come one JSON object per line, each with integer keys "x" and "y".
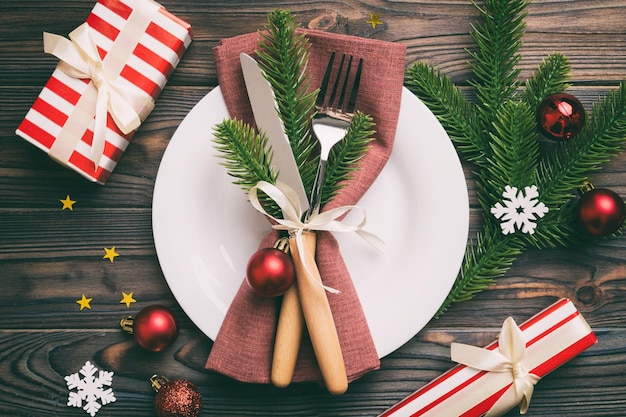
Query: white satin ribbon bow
{"x": 80, "y": 59}
{"x": 508, "y": 358}
{"x": 289, "y": 203}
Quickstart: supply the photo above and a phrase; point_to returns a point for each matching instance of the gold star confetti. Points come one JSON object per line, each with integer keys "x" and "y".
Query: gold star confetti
{"x": 84, "y": 302}
{"x": 375, "y": 20}
{"x": 67, "y": 203}
{"x": 127, "y": 299}
{"x": 110, "y": 254}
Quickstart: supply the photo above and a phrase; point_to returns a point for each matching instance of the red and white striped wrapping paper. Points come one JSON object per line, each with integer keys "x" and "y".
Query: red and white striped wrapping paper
{"x": 553, "y": 337}
{"x": 154, "y": 53}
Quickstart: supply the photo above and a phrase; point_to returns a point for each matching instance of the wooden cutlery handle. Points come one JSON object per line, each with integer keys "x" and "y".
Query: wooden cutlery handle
{"x": 318, "y": 316}
{"x": 288, "y": 336}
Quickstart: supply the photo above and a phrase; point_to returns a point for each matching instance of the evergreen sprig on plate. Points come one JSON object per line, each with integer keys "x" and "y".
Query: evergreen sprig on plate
{"x": 283, "y": 55}
{"x": 498, "y": 135}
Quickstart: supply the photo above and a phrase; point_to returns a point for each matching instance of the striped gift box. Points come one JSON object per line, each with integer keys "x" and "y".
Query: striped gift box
{"x": 140, "y": 43}
{"x": 553, "y": 337}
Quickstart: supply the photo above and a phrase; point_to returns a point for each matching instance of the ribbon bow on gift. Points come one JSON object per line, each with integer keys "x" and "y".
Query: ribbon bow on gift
{"x": 80, "y": 59}
{"x": 508, "y": 358}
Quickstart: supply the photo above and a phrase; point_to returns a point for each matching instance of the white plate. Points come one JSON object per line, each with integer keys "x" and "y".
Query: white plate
{"x": 205, "y": 230}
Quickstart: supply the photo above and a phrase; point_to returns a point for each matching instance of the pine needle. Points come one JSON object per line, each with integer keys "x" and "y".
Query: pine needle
{"x": 498, "y": 37}
{"x": 485, "y": 260}
{"x": 245, "y": 156}
{"x": 551, "y": 77}
{"x": 450, "y": 107}
{"x": 514, "y": 149}
{"x": 344, "y": 157}
{"x": 283, "y": 56}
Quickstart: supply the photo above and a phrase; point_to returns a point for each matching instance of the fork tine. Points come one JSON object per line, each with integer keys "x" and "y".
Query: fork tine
{"x": 342, "y": 96}
{"x": 321, "y": 96}
{"x": 355, "y": 88}
{"x": 331, "y": 100}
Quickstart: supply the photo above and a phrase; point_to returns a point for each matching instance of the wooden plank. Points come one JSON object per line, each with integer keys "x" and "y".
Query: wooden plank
{"x": 32, "y": 373}
{"x": 50, "y": 257}
{"x": 590, "y": 33}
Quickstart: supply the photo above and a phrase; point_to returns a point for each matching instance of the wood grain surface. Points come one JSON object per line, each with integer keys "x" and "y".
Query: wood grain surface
{"x": 49, "y": 256}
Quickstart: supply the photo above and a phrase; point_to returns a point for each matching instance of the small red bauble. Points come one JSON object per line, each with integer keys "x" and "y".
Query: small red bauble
{"x": 601, "y": 211}
{"x": 270, "y": 272}
{"x": 155, "y": 327}
{"x": 560, "y": 116}
{"x": 176, "y": 398}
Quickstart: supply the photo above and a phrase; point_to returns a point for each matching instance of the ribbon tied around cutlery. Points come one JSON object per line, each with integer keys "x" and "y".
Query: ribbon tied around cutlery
{"x": 80, "y": 59}
{"x": 507, "y": 359}
{"x": 289, "y": 203}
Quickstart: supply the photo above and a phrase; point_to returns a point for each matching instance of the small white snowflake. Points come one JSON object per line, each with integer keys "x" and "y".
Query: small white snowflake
{"x": 90, "y": 389}
{"x": 519, "y": 210}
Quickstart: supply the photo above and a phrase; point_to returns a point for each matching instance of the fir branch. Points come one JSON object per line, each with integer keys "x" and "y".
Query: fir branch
{"x": 566, "y": 168}
{"x": 551, "y": 77}
{"x": 559, "y": 228}
{"x": 245, "y": 157}
{"x": 283, "y": 56}
{"x": 514, "y": 155}
{"x": 450, "y": 107}
{"x": 494, "y": 63}
{"x": 244, "y": 153}
{"x": 515, "y": 150}
{"x": 485, "y": 260}
{"x": 604, "y": 134}
{"x": 344, "y": 157}
{"x": 502, "y": 141}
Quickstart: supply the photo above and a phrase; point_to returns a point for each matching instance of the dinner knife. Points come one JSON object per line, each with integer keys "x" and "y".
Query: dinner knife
{"x": 265, "y": 110}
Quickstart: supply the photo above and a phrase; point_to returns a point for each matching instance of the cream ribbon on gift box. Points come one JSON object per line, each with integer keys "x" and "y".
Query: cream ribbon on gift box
{"x": 107, "y": 92}
{"x": 289, "y": 203}
{"x": 507, "y": 359}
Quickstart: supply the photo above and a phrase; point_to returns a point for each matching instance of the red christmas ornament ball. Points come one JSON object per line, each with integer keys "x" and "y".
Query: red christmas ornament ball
{"x": 155, "y": 328}
{"x": 560, "y": 116}
{"x": 270, "y": 272}
{"x": 178, "y": 398}
{"x": 601, "y": 211}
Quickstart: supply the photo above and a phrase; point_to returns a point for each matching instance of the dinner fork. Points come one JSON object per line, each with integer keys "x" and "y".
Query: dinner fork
{"x": 332, "y": 118}
{"x": 306, "y": 300}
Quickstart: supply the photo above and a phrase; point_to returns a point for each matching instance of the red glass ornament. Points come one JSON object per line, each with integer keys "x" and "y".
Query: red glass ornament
{"x": 560, "y": 116}
{"x": 155, "y": 327}
{"x": 176, "y": 398}
{"x": 601, "y": 211}
{"x": 270, "y": 272}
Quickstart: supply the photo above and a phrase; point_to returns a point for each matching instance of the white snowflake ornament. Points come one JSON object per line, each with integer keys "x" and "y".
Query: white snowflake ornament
{"x": 519, "y": 210}
{"x": 90, "y": 389}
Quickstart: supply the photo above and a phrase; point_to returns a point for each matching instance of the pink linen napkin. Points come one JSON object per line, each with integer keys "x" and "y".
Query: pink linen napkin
{"x": 244, "y": 346}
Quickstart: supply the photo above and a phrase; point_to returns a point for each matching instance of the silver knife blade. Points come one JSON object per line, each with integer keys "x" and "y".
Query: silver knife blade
{"x": 265, "y": 111}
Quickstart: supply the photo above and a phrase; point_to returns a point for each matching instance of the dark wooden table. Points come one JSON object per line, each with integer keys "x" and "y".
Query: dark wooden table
{"x": 49, "y": 257}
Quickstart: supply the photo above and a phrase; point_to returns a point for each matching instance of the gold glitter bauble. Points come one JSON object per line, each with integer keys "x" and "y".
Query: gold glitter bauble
{"x": 178, "y": 398}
